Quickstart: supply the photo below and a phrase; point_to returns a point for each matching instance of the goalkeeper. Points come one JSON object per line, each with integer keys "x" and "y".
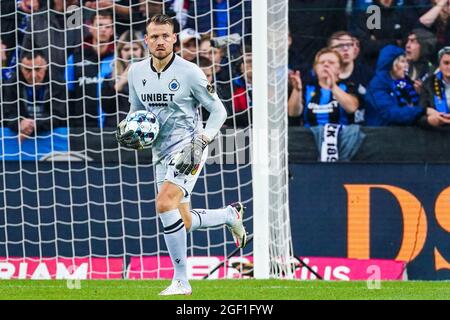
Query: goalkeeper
{"x": 172, "y": 88}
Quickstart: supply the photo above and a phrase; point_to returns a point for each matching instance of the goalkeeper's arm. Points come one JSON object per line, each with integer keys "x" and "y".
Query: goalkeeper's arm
{"x": 191, "y": 154}
{"x": 216, "y": 119}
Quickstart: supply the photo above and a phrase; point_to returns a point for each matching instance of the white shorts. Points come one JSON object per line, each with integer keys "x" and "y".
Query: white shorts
{"x": 165, "y": 171}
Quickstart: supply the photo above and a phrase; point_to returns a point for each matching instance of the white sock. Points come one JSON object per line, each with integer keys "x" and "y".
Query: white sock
{"x": 175, "y": 238}
{"x": 202, "y": 218}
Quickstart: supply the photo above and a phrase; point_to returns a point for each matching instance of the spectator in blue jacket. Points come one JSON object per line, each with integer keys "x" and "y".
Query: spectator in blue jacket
{"x": 391, "y": 98}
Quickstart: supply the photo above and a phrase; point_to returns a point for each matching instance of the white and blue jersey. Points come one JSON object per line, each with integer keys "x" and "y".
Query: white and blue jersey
{"x": 174, "y": 95}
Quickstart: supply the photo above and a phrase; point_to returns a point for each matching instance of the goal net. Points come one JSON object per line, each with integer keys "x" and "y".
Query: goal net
{"x": 73, "y": 204}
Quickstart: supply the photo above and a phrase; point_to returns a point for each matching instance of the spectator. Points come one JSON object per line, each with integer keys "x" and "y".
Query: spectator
{"x": 294, "y": 80}
{"x": 296, "y": 61}
{"x": 391, "y": 98}
{"x": 294, "y": 92}
{"x": 436, "y": 93}
{"x": 242, "y": 94}
{"x": 224, "y": 17}
{"x": 391, "y": 31}
{"x": 207, "y": 67}
{"x": 146, "y": 9}
{"x": 189, "y": 44}
{"x": 328, "y": 99}
{"x": 419, "y": 47}
{"x": 8, "y": 61}
{"x": 436, "y": 20}
{"x": 89, "y": 69}
{"x": 124, "y": 11}
{"x": 37, "y": 111}
{"x": 353, "y": 71}
{"x": 311, "y": 22}
{"x": 217, "y": 56}
{"x": 410, "y": 10}
{"x": 50, "y": 35}
{"x": 15, "y": 17}
{"x": 206, "y": 48}
{"x": 222, "y": 90}
{"x": 130, "y": 48}
{"x": 34, "y": 108}
{"x": 180, "y": 9}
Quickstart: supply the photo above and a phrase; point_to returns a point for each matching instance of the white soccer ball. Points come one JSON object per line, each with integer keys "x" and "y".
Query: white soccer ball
{"x": 145, "y": 125}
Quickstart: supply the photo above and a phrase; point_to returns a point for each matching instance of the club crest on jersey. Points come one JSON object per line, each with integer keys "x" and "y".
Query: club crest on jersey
{"x": 174, "y": 85}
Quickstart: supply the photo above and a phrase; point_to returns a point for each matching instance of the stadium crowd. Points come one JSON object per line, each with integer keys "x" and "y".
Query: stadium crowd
{"x": 385, "y": 65}
{"x": 65, "y": 63}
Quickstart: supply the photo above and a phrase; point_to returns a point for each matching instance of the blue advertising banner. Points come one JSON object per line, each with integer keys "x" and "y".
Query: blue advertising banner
{"x": 358, "y": 211}
{"x": 374, "y": 211}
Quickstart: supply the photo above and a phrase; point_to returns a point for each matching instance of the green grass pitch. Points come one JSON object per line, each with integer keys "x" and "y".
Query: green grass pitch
{"x": 223, "y": 290}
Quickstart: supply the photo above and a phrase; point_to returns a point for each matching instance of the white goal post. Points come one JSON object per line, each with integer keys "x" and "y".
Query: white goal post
{"x": 72, "y": 199}
{"x": 271, "y": 221}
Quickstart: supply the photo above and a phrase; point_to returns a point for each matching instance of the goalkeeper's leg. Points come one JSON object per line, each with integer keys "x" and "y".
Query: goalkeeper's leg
{"x": 231, "y": 216}
{"x": 167, "y": 203}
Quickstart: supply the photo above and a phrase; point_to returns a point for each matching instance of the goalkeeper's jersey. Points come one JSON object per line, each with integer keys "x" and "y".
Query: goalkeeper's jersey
{"x": 174, "y": 96}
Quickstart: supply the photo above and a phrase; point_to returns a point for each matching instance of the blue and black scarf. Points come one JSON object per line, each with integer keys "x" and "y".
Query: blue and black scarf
{"x": 439, "y": 96}
{"x": 405, "y": 93}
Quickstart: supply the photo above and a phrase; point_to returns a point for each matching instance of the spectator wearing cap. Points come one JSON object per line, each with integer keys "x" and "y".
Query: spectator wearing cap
{"x": 391, "y": 99}
{"x": 188, "y": 49}
{"x": 436, "y": 94}
{"x": 419, "y": 48}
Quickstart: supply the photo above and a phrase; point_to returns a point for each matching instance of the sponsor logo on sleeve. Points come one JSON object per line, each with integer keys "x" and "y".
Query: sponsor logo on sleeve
{"x": 210, "y": 88}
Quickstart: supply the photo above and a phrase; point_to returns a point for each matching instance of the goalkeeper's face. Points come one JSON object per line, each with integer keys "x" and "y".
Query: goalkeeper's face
{"x": 160, "y": 39}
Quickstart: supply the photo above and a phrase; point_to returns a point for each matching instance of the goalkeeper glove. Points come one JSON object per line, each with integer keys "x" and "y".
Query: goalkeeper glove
{"x": 190, "y": 157}
{"x": 127, "y": 139}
